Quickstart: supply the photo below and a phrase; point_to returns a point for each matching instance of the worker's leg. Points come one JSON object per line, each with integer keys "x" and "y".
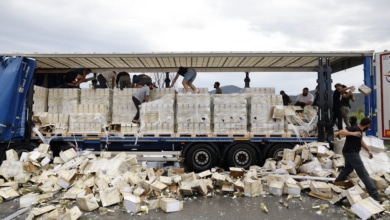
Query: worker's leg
{"x": 348, "y": 168}
{"x": 189, "y": 78}
{"x": 102, "y": 82}
{"x": 192, "y": 86}
{"x": 345, "y": 114}
{"x": 137, "y": 103}
{"x": 361, "y": 171}
{"x": 185, "y": 85}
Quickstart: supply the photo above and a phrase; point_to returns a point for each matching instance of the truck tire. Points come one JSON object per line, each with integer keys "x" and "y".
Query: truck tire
{"x": 3, "y": 149}
{"x": 242, "y": 155}
{"x": 276, "y": 151}
{"x": 57, "y": 147}
{"x": 200, "y": 157}
{"x": 23, "y": 147}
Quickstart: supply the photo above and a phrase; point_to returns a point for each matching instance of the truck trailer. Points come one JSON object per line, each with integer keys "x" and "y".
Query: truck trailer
{"x": 31, "y": 84}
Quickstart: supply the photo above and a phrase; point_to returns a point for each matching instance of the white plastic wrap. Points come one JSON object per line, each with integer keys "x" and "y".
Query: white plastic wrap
{"x": 158, "y": 115}
{"x": 193, "y": 113}
{"x": 61, "y": 100}
{"x": 230, "y": 113}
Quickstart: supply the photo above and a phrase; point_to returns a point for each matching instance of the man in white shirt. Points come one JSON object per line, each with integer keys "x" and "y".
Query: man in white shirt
{"x": 305, "y": 98}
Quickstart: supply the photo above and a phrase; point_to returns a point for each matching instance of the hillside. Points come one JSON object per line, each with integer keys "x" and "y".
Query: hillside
{"x": 355, "y": 106}
{"x": 228, "y": 89}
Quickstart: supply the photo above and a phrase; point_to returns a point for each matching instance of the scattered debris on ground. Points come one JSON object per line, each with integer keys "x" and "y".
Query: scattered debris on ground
{"x": 66, "y": 186}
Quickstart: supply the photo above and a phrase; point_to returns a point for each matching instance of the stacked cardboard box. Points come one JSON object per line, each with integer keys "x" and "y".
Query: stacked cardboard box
{"x": 40, "y": 99}
{"x": 158, "y": 116}
{"x": 266, "y": 114}
{"x": 301, "y": 122}
{"x": 62, "y": 100}
{"x": 123, "y": 110}
{"x": 193, "y": 113}
{"x": 230, "y": 114}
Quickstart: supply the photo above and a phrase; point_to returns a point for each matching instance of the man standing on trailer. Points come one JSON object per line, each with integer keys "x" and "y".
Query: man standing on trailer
{"x": 189, "y": 75}
{"x": 337, "y": 116}
{"x": 142, "y": 95}
{"x": 285, "y": 97}
{"x": 218, "y": 90}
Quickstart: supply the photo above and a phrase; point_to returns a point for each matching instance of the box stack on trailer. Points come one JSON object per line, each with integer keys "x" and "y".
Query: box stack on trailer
{"x": 157, "y": 116}
{"x": 193, "y": 114}
{"x": 92, "y": 113}
{"x": 267, "y": 115}
{"x": 230, "y": 115}
{"x": 40, "y": 99}
{"x": 257, "y": 112}
{"x": 123, "y": 111}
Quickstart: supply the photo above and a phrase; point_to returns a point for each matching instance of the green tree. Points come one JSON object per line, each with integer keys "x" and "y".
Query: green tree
{"x": 359, "y": 114}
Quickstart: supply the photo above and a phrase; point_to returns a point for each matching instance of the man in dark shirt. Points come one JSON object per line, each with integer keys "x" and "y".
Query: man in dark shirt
{"x": 218, "y": 90}
{"x": 337, "y": 116}
{"x": 141, "y": 80}
{"x": 353, "y": 144}
{"x": 286, "y": 98}
{"x": 123, "y": 80}
{"x": 74, "y": 78}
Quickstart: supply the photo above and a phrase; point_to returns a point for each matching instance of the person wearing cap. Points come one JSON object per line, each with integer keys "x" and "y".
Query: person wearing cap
{"x": 189, "y": 75}
{"x": 352, "y": 146}
{"x": 285, "y": 97}
{"x": 337, "y": 115}
{"x": 305, "y": 98}
{"x": 218, "y": 90}
{"x": 142, "y": 95}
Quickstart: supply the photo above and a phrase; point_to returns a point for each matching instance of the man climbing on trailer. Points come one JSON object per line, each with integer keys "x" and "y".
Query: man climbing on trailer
{"x": 142, "y": 95}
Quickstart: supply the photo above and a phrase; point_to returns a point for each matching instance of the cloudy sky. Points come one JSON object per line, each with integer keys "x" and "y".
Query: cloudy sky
{"x": 126, "y": 26}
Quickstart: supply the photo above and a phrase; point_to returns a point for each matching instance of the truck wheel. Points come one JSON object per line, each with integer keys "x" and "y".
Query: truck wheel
{"x": 24, "y": 147}
{"x": 276, "y": 151}
{"x": 242, "y": 155}
{"x": 3, "y": 149}
{"x": 200, "y": 157}
{"x": 57, "y": 147}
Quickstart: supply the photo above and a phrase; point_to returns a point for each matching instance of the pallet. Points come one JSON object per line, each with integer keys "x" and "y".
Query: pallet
{"x": 195, "y": 135}
{"x": 156, "y": 135}
{"x": 232, "y": 135}
{"x": 128, "y": 134}
{"x": 48, "y": 134}
{"x": 269, "y": 135}
{"x": 86, "y": 134}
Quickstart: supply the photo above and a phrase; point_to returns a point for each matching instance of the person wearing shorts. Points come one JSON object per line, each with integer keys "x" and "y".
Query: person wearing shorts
{"x": 189, "y": 75}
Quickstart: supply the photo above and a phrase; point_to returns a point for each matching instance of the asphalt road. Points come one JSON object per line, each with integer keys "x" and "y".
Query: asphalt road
{"x": 220, "y": 207}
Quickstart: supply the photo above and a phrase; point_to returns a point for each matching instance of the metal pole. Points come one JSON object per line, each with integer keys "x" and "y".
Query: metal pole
{"x": 247, "y": 80}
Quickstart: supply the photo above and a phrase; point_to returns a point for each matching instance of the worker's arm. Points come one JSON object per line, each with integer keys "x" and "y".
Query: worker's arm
{"x": 147, "y": 98}
{"x": 174, "y": 80}
{"x": 113, "y": 82}
{"x": 309, "y": 102}
{"x": 364, "y": 145}
{"x": 350, "y": 133}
